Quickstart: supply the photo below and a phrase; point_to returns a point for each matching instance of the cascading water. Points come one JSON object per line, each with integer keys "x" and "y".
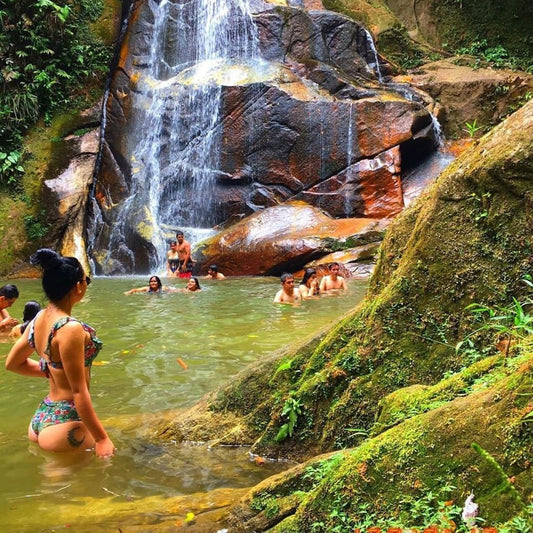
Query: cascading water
{"x": 204, "y": 129}
{"x": 177, "y": 146}
{"x": 375, "y": 64}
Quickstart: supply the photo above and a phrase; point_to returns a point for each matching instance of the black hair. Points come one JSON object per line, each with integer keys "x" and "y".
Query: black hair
{"x": 179, "y": 232}
{"x": 334, "y": 264}
{"x": 197, "y": 282}
{"x": 9, "y": 292}
{"x": 60, "y": 273}
{"x": 173, "y": 241}
{"x": 31, "y": 309}
{"x": 285, "y": 276}
{"x": 159, "y": 284}
{"x": 214, "y": 268}
{"x": 307, "y": 274}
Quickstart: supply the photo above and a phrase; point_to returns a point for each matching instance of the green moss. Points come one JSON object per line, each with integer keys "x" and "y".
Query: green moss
{"x": 107, "y": 24}
{"x": 12, "y": 236}
{"x": 374, "y": 15}
{"x": 502, "y": 25}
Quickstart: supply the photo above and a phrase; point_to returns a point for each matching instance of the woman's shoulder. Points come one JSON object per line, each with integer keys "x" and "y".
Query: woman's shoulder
{"x": 71, "y": 323}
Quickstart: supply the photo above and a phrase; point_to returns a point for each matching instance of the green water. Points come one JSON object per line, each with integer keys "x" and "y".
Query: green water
{"x": 216, "y": 333}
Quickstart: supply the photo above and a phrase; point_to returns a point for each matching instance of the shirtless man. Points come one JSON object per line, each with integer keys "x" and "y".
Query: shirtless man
{"x": 333, "y": 281}
{"x": 184, "y": 255}
{"x": 213, "y": 273}
{"x": 173, "y": 260}
{"x": 8, "y": 295}
{"x": 287, "y": 294}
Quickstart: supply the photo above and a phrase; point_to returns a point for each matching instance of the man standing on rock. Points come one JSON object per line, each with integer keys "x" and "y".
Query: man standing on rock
{"x": 8, "y": 295}
{"x": 287, "y": 294}
{"x": 184, "y": 255}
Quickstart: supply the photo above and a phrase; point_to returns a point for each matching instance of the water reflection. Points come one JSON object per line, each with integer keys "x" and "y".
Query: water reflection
{"x": 216, "y": 333}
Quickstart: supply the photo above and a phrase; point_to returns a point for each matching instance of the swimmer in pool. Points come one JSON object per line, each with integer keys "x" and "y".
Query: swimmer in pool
{"x": 154, "y": 287}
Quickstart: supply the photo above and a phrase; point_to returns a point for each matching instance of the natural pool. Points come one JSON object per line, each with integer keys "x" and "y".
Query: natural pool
{"x": 216, "y": 333}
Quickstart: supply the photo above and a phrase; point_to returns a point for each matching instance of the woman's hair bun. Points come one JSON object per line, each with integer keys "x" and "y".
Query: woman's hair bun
{"x": 45, "y": 258}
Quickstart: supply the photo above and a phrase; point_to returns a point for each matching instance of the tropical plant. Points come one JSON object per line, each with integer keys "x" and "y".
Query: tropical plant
{"x": 512, "y": 324}
{"x": 47, "y": 53}
{"x": 472, "y": 127}
{"x": 291, "y": 410}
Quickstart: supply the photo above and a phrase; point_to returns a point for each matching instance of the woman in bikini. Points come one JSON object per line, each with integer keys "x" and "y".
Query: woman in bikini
{"x": 173, "y": 260}
{"x": 65, "y": 421}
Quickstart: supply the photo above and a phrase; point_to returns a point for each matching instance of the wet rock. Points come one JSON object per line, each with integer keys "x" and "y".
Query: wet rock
{"x": 309, "y": 121}
{"x": 283, "y": 238}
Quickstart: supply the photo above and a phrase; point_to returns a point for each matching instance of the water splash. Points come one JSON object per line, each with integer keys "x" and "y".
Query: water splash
{"x": 177, "y": 119}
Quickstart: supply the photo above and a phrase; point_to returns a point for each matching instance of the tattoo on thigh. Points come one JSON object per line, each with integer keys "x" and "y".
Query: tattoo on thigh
{"x": 72, "y": 440}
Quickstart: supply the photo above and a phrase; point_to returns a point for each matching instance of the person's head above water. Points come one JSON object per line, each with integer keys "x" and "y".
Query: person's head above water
{"x": 31, "y": 308}
{"x": 193, "y": 284}
{"x": 154, "y": 284}
{"x": 8, "y": 295}
{"x": 60, "y": 274}
{"x": 308, "y": 275}
{"x": 286, "y": 276}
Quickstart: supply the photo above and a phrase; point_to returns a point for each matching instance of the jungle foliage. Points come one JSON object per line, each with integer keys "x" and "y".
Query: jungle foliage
{"x": 48, "y": 54}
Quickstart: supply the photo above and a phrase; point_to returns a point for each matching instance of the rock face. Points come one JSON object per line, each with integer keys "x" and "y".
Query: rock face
{"x": 308, "y": 121}
{"x": 465, "y": 94}
{"x": 67, "y": 194}
{"x": 68, "y": 183}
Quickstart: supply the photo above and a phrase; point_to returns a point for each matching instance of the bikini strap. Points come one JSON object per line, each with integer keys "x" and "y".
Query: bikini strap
{"x": 31, "y": 331}
{"x": 57, "y": 326}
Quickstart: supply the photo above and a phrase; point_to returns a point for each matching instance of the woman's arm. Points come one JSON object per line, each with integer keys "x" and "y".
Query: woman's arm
{"x": 6, "y": 320}
{"x": 141, "y": 289}
{"x": 18, "y": 359}
{"x": 71, "y": 346}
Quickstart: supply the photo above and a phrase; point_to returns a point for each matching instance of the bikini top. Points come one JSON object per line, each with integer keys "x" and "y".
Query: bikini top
{"x": 91, "y": 349}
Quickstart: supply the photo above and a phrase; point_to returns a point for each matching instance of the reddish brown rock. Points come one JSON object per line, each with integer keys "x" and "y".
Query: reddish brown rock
{"x": 309, "y": 121}
{"x": 283, "y": 238}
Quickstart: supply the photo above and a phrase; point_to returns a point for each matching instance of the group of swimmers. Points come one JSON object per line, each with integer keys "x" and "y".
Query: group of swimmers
{"x": 288, "y": 294}
{"x": 310, "y": 286}
{"x": 8, "y": 296}
{"x": 66, "y": 420}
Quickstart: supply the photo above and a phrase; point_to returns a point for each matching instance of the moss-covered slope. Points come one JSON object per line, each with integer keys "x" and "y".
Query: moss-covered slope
{"x": 427, "y": 424}
{"x": 414, "y": 475}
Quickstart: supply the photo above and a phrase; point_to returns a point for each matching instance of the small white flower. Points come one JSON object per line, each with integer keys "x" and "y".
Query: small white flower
{"x": 470, "y": 511}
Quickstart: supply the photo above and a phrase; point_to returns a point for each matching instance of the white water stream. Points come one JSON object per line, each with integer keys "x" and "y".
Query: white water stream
{"x": 177, "y": 145}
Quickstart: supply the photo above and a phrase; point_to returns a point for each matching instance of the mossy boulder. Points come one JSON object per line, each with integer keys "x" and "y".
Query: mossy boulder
{"x": 469, "y": 444}
{"x": 387, "y": 380}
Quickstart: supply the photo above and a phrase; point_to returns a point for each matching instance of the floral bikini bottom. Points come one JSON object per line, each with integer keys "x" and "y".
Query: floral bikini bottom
{"x": 50, "y": 413}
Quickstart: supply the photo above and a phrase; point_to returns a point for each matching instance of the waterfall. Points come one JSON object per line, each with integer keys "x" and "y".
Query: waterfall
{"x": 350, "y": 171}
{"x": 193, "y": 44}
{"x": 375, "y": 64}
